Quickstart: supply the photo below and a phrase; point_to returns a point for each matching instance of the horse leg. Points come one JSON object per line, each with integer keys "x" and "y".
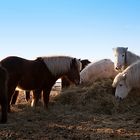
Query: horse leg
{"x": 4, "y": 107}
{"x": 46, "y": 94}
{"x": 4, "y": 104}
{"x": 10, "y": 94}
{"x": 36, "y": 97}
{"x": 27, "y": 94}
{"x": 14, "y": 97}
{"x": 3, "y": 95}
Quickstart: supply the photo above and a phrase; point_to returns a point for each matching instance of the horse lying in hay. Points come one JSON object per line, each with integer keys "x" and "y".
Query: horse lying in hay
{"x": 40, "y": 74}
{"x": 3, "y": 94}
{"x": 66, "y": 82}
{"x": 123, "y": 58}
{"x": 127, "y": 80}
{"x": 97, "y": 70}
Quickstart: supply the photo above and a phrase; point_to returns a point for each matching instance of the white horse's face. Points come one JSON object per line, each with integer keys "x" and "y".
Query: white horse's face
{"x": 120, "y": 57}
{"x": 121, "y": 90}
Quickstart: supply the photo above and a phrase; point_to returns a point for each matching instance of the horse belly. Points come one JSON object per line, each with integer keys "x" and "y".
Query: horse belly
{"x": 30, "y": 85}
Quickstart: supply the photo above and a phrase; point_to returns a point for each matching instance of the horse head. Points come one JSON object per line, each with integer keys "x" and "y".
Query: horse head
{"x": 85, "y": 62}
{"x": 122, "y": 89}
{"x": 120, "y": 54}
{"x": 74, "y": 72}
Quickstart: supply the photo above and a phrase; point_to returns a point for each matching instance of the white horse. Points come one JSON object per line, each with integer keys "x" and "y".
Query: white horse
{"x": 123, "y": 58}
{"x": 97, "y": 70}
{"x": 127, "y": 80}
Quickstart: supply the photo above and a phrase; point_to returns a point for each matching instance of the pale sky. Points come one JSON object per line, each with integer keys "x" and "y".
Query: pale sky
{"x": 79, "y": 28}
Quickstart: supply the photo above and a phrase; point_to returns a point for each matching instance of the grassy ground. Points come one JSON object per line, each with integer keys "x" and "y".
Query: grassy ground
{"x": 78, "y": 113}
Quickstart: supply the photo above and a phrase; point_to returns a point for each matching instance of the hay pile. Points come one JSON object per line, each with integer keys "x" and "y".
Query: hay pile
{"x": 78, "y": 113}
{"x": 97, "y": 98}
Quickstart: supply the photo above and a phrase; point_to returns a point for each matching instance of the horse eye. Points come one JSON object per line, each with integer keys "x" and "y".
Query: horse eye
{"x": 123, "y": 55}
{"x": 120, "y": 85}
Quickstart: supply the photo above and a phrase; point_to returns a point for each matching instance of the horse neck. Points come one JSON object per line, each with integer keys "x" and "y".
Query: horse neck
{"x": 133, "y": 76}
{"x": 131, "y": 58}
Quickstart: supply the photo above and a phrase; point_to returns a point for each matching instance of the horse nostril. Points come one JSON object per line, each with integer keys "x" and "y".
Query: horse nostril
{"x": 117, "y": 68}
{"x": 119, "y": 99}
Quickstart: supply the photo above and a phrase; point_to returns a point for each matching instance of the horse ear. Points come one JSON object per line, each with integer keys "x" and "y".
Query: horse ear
{"x": 73, "y": 61}
{"x": 126, "y": 48}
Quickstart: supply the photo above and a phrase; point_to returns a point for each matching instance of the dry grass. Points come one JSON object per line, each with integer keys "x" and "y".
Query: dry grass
{"x": 78, "y": 113}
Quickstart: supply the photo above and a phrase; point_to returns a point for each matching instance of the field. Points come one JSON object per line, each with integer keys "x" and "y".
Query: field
{"x": 78, "y": 113}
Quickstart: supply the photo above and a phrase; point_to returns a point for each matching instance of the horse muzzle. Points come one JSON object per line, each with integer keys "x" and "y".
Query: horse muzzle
{"x": 118, "y": 67}
{"x": 119, "y": 99}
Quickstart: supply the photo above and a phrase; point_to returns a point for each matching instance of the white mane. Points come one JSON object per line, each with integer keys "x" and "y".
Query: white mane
{"x": 59, "y": 64}
{"x": 132, "y": 76}
{"x": 98, "y": 70}
{"x": 131, "y": 58}
{"x": 117, "y": 79}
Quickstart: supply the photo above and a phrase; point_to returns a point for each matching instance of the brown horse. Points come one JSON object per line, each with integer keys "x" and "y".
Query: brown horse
{"x": 3, "y": 94}
{"x": 66, "y": 82}
{"x": 40, "y": 74}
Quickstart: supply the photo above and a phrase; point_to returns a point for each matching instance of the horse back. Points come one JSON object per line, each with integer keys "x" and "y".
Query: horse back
{"x": 18, "y": 65}
{"x": 13, "y": 64}
{"x": 28, "y": 74}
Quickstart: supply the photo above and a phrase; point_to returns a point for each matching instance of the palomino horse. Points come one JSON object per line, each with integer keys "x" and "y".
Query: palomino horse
{"x": 66, "y": 82}
{"x": 3, "y": 94}
{"x": 40, "y": 74}
{"x": 123, "y": 58}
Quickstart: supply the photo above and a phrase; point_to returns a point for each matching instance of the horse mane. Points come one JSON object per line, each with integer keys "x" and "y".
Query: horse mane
{"x": 117, "y": 79}
{"x": 131, "y": 57}
{"x": 132, "y": 73}
{"x": 59, "y": 64}
{"x": 132, "y": 76}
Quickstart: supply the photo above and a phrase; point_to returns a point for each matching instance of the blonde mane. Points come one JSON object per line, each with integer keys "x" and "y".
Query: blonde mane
{"x": 131, "y": 58}
{"x": 59, "y": 64}
{"x": 132, "y": 75}
{"x": 117, "y": 79}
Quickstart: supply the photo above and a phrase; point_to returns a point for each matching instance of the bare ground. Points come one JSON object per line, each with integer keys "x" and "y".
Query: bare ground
{"x": 78, "y": 113}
